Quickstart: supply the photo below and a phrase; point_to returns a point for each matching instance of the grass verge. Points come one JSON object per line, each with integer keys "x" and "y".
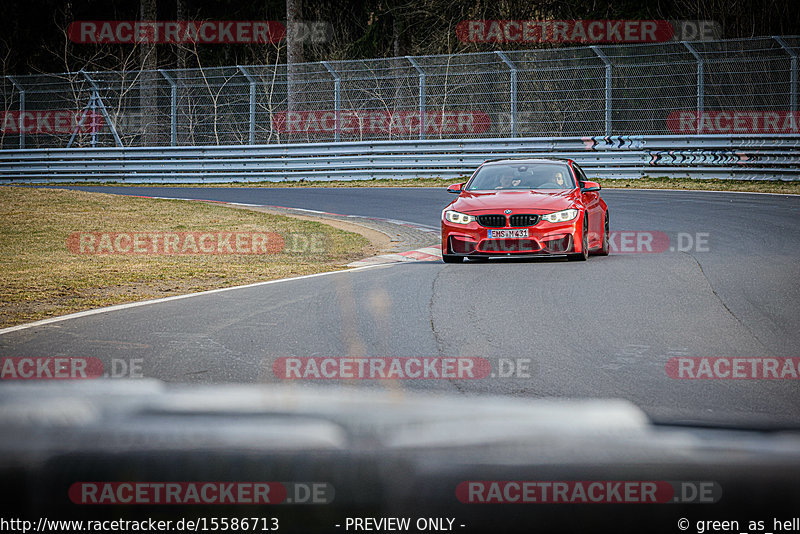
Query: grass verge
{"x": 42, "y": 278}
{"x": 751, "y": 186}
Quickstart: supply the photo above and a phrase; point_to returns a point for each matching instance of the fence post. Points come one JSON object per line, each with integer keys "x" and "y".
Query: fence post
{"x": 252, "y": 120}
{"x": 337, "y": 98}
{"x": 173, "y": 107}
{"x": 513, "y": 69}
{"x": 609, "y": 80}
{"x": 21, "y": 110}
{"x": 700, "y": 86}
{"x": 421, "y": 95}
{"x": 792, "y": 72}
{"x": 94, "y": 101}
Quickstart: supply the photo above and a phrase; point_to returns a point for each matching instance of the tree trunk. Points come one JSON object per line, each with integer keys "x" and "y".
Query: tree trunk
{"x": 148, "y": 88}
{"x": 294, "y": 53}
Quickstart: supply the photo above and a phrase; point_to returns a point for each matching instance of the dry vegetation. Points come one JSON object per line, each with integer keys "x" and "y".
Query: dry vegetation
{"x": 42, "y": 278}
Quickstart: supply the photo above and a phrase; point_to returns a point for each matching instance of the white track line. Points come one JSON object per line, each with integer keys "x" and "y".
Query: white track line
{"x": 96, "y": 311}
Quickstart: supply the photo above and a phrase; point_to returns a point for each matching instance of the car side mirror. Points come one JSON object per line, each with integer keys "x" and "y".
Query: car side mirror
{"x": 455, "y": 188}
{"x": 588, "y": 187}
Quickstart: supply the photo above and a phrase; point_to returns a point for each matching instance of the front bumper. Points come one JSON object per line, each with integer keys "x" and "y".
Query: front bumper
{"x": 544, "y": 239}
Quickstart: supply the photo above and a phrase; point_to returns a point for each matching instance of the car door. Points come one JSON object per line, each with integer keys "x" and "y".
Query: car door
{"x": 591, "y": 200}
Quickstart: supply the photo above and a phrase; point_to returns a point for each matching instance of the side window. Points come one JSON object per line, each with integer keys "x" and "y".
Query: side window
{"x": 579, "y": 172}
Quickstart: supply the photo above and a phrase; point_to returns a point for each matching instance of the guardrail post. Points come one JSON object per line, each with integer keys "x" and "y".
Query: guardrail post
{"x": 173, "y": 108}
{"x": 609, "y": 80}
{"x": 700, "y": 86}
{"x": 94, "y": 101}
{"x": 21, "y": 110}
{"x": 792, "y": 72}
{"x": 337, "y": 98}
{"x": 421, "y": 95}
{"x": 252, "y": 119}
{"x": 513, "y": 69}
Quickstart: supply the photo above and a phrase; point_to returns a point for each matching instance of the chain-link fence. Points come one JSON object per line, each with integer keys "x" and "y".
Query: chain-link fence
{"x": 727, "y": 86}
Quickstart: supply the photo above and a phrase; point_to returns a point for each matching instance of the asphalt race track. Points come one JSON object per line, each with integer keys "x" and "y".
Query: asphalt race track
{"x": 603, "y": 328}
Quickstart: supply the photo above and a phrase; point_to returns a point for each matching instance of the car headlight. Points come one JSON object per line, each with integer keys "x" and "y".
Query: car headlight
{"x": 560, "y": 216}
{"x": 458, "y": 218}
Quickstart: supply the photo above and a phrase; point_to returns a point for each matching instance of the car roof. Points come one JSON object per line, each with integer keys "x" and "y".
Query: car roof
{"x": 526, "y": 160}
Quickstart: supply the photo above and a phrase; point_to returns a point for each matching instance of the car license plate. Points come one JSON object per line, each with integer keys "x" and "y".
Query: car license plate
{"x": 508, "y": 234}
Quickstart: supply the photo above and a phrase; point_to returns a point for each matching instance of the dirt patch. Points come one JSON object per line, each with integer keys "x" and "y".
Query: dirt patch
{"x": 379, "y": 242}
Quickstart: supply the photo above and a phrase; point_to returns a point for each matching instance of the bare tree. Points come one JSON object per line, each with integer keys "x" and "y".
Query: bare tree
{"x": 148, "y": 88}
{"x": 294, "y": 51}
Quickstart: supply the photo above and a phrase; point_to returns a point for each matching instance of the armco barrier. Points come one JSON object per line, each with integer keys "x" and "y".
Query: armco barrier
{"x": 744, "y": 157}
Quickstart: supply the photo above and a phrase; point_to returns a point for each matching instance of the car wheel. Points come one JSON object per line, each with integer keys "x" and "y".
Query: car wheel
{"x": 603, "y": 251}
{"x": 584, "y": 255}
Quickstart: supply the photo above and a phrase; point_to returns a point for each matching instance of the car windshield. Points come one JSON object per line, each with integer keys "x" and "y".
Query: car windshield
{"x": 522, "y": 176}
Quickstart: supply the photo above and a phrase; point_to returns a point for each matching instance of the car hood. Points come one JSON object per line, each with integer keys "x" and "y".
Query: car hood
{"x": 482, "y": 201}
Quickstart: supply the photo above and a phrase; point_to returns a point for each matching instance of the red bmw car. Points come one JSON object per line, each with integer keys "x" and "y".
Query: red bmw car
{"x": 525, "y": 207}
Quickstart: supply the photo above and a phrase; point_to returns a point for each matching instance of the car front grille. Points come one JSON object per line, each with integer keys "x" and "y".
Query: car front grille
{"x": 523, "y": 220}
{"x": 492, "y": 221}
{"x": 509, "y": 245}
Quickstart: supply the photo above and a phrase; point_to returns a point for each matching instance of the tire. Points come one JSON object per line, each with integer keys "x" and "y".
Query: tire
{"x": 584, "y": 255}
{"x": 603, "y": 251}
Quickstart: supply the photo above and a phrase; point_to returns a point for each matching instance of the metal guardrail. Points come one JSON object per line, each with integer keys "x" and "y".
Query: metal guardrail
{"x": 743, "y": 157}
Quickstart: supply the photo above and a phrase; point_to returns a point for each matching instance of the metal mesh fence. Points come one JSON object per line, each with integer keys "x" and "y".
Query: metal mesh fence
{"x": 732, "y": 86}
